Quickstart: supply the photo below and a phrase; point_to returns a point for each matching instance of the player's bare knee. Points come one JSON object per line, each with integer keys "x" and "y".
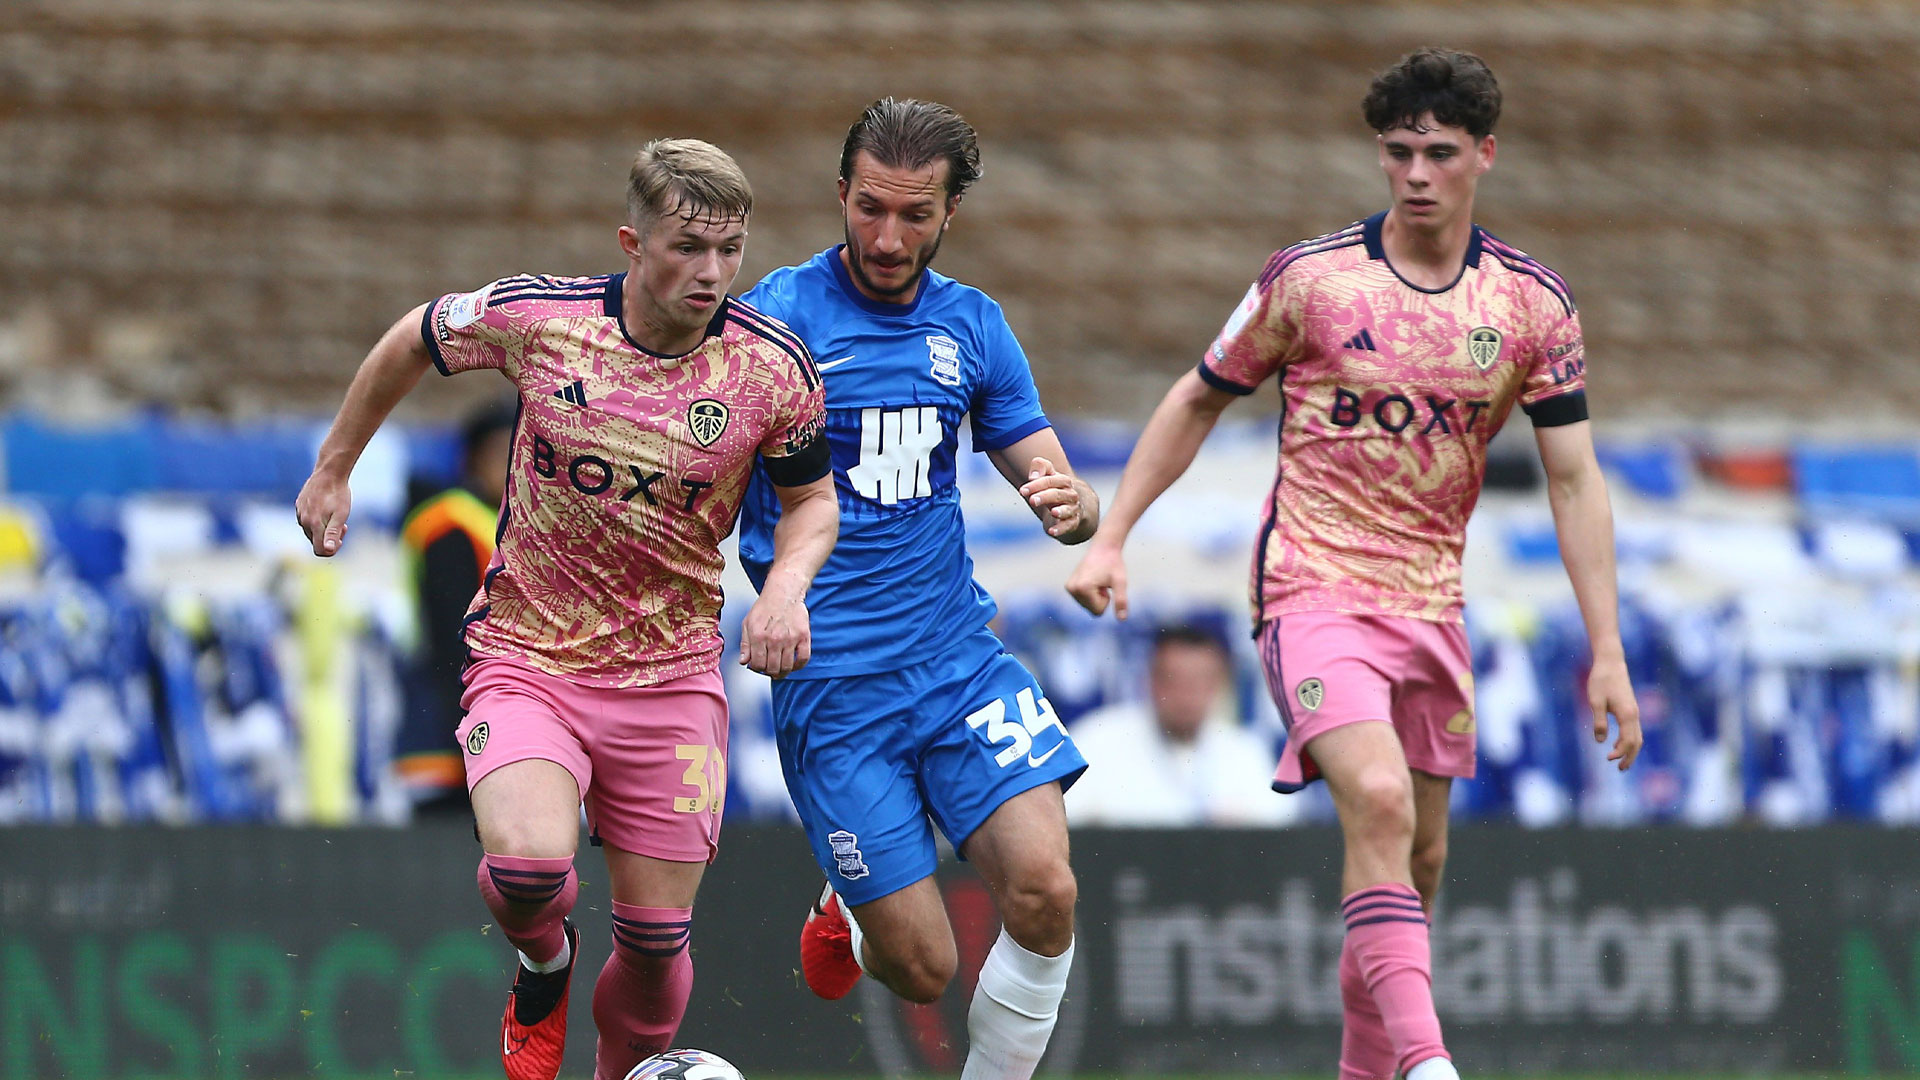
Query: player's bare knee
{"x": 1383, "y": 799}
{"x": 528, "y": 839}
{"x": 1038, "y": 909}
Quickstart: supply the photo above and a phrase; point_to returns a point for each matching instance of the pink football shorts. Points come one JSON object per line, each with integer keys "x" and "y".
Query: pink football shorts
{"x": 1327, "y": 669}
{"x": 651, "y": 761}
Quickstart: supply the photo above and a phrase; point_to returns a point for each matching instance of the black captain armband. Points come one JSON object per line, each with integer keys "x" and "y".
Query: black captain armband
{"x": 1558, "y": 410}
{"x": 803, "y": 466}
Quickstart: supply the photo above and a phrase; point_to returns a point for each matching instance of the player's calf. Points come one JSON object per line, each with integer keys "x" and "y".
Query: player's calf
{"x": 1429, "y": 861}
{"x": 1387, "y": 931}
{"x": 904, "y": 940}
{"x": 641, "y": 995}
{"x": 1366, "y": 1053}
{"x": 1015, "y": 1006}
{"x": 917, "y": 969}
{"x": 530, "y": 898}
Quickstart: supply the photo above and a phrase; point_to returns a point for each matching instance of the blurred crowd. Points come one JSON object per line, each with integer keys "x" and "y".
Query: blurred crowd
{"x": 171, "y": 653}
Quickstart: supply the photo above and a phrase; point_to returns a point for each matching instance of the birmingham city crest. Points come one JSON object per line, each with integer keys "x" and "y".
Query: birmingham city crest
{"x": 1483, "y": 344}
{"x": 944, "y": 352}
{"x": 707, "y": 419}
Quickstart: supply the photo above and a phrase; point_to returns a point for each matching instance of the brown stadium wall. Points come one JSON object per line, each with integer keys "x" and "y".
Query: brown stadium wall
{"x": 220, "y": 204}
{"x": 235, "y": 952}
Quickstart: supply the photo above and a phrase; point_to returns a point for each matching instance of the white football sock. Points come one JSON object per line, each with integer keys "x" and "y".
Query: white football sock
{"x": 549, "y": 967}
{"x": 1434, "y": 1068}
{"x": 1014, "y": 1009}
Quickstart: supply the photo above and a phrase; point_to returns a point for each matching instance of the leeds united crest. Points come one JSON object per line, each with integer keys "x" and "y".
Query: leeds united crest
{"x": 1483, "y": 344}
{"x": 1311, "y": 693}
{"x": 707, "y": 419}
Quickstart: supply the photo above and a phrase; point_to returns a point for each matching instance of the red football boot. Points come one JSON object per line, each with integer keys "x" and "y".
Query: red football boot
{"x": 826, "y": 948}
{"x": 533, "y": 1033}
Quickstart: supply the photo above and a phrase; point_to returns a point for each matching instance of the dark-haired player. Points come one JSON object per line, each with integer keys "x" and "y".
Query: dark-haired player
{"x": 594, "y": 644}
{"x": 1401, "y": 344}
{"x": 911, "y": 708}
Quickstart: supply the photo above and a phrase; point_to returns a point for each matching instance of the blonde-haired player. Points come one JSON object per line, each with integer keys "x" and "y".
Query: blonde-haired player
{"x": 646, "y": 397}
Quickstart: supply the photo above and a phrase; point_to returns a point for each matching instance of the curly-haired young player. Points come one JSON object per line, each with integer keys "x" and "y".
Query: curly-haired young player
{"x": 1401, "y": 344}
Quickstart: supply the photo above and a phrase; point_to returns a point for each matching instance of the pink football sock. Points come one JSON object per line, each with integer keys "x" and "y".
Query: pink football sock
{"x": 1365, "y": 1051}
{"x": 529, "y": 898}
{"x": 1387, "y": 931}
{"x": 641, "y": 996}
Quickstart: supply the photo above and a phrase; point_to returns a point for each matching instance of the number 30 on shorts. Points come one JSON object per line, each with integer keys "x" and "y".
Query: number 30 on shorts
{"x": 706, "y": 774}
{"x": 1036, "y": 716}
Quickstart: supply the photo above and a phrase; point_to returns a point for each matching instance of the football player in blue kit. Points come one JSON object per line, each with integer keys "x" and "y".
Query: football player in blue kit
{"x": 910, "y": 708}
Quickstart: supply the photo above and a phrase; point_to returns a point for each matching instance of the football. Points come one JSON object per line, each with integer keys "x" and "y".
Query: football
{"x": 684, "y": 1064}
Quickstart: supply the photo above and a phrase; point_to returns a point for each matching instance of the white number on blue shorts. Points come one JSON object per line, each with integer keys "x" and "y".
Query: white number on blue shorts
{"x": 1035, "y": 717}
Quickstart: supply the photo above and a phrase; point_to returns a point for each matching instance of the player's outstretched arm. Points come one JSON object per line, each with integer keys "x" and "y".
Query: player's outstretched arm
{"x": 1583, "y": 521}
{"x": 1037, "y": 467}
{"x": 776, "y": 638}
{"x": 389, "y": 371}
{"x": 1166, "y": 448}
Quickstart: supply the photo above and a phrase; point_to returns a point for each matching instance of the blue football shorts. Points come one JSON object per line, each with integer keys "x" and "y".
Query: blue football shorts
{"x": 870, "y": 758}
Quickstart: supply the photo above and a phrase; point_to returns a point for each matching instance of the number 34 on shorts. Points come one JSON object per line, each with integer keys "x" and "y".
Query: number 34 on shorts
{"x": 1015, "y": 737}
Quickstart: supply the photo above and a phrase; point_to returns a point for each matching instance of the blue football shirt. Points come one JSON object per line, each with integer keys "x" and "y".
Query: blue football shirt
{"x": 899, "y": 378}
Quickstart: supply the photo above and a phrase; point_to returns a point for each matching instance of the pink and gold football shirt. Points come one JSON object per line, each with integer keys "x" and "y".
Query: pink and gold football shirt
{"x": 627, "y": 471}
{"x": 1390, "y": 394}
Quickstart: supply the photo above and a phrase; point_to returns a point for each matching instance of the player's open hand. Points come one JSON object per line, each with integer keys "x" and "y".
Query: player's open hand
{"x": 1100, "y": 578}
{"x": 775, "y": 639}
{"x": 1054, "y": 496}
{"x": 1609, "y": 690}
{"x": 322, "y": 509}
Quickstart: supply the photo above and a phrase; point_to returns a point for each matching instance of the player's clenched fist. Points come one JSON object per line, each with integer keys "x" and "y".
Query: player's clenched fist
{"x": 322, "y": 509}
{"x": 1101, "y": 577}
{"x": 1054, "y": 496}
{"x": 775, "y": 639}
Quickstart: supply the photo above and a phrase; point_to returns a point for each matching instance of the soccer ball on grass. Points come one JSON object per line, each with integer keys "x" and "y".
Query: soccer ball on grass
{"x": 685, "y": 1064}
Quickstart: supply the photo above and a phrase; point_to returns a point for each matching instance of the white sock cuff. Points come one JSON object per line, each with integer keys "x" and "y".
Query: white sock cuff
{"x": 1024, "y": 981}
{"x": 550, "y": 966}
{"x": 1434, "y": 1068}
{"x": 855, "y": 936}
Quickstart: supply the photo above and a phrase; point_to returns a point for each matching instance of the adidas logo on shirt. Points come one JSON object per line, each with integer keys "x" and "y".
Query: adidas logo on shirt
{"x": 1362, "y": 341}
{"x": 576, "y": 394}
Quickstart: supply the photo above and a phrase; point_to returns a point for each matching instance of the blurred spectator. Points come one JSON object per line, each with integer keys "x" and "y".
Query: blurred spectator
{"x": 446, "y": 543}
{"x": 1176, "y": 759}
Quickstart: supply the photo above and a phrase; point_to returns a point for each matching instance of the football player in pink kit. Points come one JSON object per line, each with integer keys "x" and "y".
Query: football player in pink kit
{"x": 1401, "y": 344}
{"x": 645, "y": 399}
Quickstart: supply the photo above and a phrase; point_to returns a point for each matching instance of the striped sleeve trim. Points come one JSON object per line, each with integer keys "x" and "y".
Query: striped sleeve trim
{"x": 766, "y": 324}
{"x": 426, "y": 335}
{"x": 1521, "y": 263}
{"x": 548, "y": 289}
{"x": 781, "y": 339}
{"x": 1221, "y": 382}
{"x": 1347, "y": 237}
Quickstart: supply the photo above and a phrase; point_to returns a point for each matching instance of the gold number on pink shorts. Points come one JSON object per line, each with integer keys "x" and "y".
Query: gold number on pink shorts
{"x": 706, "y": 773}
